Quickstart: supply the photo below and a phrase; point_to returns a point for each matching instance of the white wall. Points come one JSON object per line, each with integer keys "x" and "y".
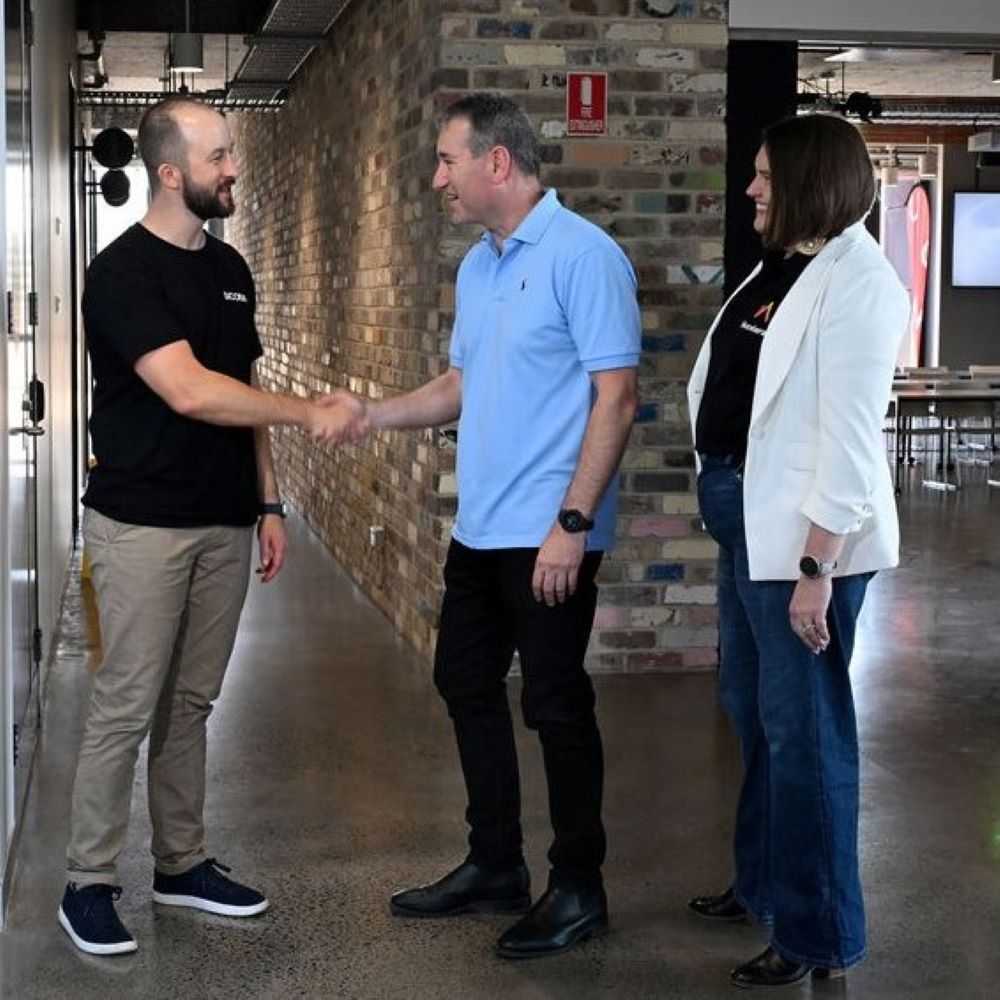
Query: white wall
{"x": 53, "y": 52}
{"x": 955, "y": 22}
{"x": 51, "y": 56}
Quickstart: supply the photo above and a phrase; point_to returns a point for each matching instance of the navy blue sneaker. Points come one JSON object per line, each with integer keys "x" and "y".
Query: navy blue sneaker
{"x": 204, "y": 887}
{"x": 88, "y": 916}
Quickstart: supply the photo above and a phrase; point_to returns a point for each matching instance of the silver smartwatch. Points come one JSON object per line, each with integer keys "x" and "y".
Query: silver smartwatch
{"x": 813, "y": 568}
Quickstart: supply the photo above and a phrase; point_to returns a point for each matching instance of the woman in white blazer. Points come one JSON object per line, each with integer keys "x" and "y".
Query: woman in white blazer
{"x": 787, "y": 400}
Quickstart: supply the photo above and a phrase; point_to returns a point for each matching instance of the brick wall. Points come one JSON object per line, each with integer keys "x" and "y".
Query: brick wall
{"x": 355, "y": 272}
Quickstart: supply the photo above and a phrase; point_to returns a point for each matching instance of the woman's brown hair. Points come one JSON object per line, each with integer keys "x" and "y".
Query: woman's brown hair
{"x": 822, "y": 178}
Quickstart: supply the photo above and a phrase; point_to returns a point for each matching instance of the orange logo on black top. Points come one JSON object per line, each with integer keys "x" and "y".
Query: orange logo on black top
{"x": 764, "y": 312}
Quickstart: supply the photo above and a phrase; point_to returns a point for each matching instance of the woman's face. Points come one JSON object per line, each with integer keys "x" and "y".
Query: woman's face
{"x": 760, "y": 189}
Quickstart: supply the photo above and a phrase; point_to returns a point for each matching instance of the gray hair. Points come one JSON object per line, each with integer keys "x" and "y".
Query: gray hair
{"x": 496, "y": 120}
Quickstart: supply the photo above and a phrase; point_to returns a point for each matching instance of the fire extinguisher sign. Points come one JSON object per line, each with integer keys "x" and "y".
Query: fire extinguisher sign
{"x": 586, "y": 103}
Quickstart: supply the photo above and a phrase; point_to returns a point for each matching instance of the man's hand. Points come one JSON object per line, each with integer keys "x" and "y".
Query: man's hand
{"x": 338, "y": 417}
{"x": 557, "y": 565}
{"x": 273, "y": 545}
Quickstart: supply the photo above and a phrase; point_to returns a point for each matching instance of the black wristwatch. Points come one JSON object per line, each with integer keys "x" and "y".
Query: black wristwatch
{"x": 573, "y": 521}
{"x": 277, "y": 507}
{"x": 813, "y": 568}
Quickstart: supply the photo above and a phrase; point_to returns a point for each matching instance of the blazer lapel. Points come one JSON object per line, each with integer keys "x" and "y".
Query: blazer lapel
{"x": 785, "y": 333}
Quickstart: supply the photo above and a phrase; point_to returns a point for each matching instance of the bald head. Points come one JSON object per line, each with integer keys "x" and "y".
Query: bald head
{"x": 167, "y": 130}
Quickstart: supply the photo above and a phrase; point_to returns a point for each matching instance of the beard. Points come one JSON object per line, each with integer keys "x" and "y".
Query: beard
{"x": 209, "y": 203}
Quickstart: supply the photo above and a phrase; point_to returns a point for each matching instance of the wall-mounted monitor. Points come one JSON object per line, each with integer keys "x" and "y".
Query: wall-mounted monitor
{"x": 975, "y": 244}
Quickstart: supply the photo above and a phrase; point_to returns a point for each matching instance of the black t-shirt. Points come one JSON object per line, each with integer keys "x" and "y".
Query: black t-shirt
{"x": 154, "y": 466}
{"x": 727, "y": 402}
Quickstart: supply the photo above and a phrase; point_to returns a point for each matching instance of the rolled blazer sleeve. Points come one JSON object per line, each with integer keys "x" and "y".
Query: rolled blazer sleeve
{"x": 861, "y": 321}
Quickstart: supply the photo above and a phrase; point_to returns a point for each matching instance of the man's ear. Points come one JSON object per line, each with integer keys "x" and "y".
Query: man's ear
{"x": 170, "y": 176}
{"x": 500, "y": 163}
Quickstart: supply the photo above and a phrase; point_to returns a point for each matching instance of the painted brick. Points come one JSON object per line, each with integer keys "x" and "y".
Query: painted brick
{"x": 624, "y": 227}
{"x": 669, "y": 343}
{"x": 660, "y": 482}
{"x": 665, "y": 107}
{"x": 696, "y": 130}
{"x": 568, "y": 30}
{"x": 711, "y": 180}
{"x": 695, "y": 83}
{"x": 600, "y": 8}
{"x": 634, "y": 79}
{"x": 646, "y": 662}
{"x": 606, "y": 617}
{"x": 501, "y": 79}
{"x": 671, "y": 572}
{"x": 660, "y": 527}
{"x": 667, "y": 8}
{"x": 470, "y": 54}
{"x": 470, "y": 6}
{"x": 534, "y": 55}
{"x": 653, "y": 617}
{"x": 660, "y": 58}
{"x": 611, "y": 639}
{"x": 682, "y": 594}
{"x": 493, "y": 28}
{"x": 634, "y": 31}
{"x": 702, "y": 547}
{"x": 697, "y": 34}
{"x": 708, "y": 656}
{"x": 588, "y": 152}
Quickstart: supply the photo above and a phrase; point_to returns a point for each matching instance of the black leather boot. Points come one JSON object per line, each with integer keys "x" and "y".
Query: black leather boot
{"x": 771, "y": 969}
{"x": 560, "y": 919}
{"x": 467, "y": 889}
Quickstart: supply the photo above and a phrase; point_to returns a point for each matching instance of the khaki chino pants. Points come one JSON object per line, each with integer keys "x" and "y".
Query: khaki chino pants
{"x": 169, "y": 601}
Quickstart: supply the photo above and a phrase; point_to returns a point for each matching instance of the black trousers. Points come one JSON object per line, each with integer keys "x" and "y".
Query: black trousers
{"x": 488, "y": 612}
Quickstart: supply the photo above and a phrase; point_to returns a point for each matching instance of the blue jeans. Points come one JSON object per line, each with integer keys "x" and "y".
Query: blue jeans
{"x": 796, "y": 835}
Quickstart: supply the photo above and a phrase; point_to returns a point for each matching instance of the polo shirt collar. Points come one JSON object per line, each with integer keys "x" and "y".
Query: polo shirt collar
{"x": 532, "y": 227}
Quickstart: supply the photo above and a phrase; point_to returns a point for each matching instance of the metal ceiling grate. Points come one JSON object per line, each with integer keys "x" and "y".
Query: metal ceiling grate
{"x": 292, "y": 29}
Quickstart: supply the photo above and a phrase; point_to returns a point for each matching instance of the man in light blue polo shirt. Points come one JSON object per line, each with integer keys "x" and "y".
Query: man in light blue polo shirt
{"x": 543, "y": 382}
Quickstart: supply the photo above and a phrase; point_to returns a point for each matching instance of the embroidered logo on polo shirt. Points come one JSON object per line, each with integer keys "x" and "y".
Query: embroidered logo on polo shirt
{"x": 235, "y": 297}
{"x": 761, "y": 313}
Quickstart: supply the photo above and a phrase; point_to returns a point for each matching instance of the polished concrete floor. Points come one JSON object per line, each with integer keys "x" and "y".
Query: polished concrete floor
{"x": 333, "y": 780}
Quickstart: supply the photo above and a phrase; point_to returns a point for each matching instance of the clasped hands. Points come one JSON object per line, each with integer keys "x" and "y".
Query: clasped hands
{"x": 338, "y": 417}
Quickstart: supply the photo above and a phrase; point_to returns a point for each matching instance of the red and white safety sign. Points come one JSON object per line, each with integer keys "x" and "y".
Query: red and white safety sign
{"x": 586, "y": 103}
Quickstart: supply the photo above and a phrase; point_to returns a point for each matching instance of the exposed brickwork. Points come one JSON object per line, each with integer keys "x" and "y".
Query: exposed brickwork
{"x": 355, "y": 271}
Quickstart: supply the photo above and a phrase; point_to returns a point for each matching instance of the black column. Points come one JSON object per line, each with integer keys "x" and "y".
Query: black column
{"x": 761, "y": 88}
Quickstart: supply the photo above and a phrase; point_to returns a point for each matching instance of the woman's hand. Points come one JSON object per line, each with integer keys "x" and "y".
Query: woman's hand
{"x": 807, "y": 612}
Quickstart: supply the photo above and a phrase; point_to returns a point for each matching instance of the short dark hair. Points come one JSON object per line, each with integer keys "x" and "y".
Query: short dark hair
{"x": 822, "y": 178}
{"x": 160, "y": 138}
{"x": 497, "y": 121}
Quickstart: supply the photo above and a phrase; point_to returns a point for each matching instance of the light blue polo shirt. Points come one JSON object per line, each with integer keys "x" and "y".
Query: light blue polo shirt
{"x": 530, "y": 326}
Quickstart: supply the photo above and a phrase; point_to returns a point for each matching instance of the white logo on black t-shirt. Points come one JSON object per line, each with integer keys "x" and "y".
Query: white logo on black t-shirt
{"x": 234, "y": 297}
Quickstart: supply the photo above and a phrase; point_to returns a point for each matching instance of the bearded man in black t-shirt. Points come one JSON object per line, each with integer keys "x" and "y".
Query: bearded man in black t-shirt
{"x": 183, "y": 474}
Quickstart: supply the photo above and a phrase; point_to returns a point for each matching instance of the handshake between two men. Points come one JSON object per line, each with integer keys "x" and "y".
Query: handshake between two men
{"x": 338, "y": 417}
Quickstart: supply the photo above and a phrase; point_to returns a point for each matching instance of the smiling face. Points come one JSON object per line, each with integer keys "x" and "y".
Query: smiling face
{"x": 760, "y": 189}
{"x": 211, "y": 172}
{"x": 464, "y": 180}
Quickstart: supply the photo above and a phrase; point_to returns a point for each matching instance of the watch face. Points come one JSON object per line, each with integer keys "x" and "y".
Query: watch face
{"x": 573, "y": 521}
{"x": 809, "y": 567}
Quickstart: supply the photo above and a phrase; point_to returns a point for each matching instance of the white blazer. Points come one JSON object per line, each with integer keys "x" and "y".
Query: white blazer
{"x": 815, "y": 451}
